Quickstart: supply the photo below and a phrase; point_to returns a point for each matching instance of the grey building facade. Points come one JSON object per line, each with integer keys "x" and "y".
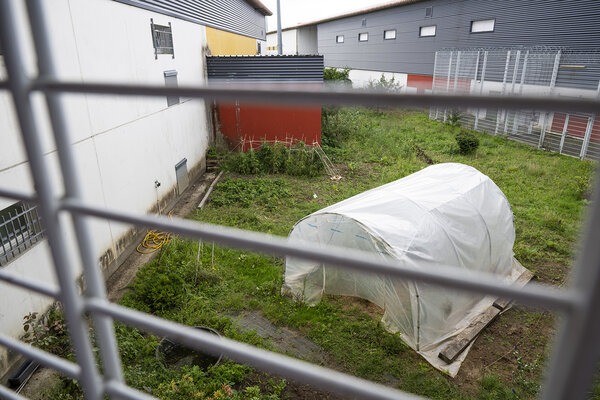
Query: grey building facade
{"x": 423, "y": 27}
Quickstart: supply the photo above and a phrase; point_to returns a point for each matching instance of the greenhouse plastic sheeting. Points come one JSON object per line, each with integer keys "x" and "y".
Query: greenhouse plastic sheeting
{"x": 444, "y": 215}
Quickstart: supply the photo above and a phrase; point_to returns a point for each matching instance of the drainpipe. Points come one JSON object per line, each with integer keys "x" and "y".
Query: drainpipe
{"x": 279, "y": 41}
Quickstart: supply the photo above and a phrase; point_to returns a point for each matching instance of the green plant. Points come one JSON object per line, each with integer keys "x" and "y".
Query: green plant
{"x": 384, "y": 84}
{"x": 48, "y": 332}
{"x": 454, "y": 116}
{"x": 467, "y": 142}
{"x": 340, "y": 75}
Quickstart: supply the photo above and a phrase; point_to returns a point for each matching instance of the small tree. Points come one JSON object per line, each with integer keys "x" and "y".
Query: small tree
{"x": 467, "y": 142}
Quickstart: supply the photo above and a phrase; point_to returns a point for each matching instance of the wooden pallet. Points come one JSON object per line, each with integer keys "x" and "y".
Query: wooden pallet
{"x": 458, "y": 344}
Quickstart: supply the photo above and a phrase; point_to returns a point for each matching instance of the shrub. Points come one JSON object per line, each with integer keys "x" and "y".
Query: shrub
{"x": 467, "y": 142}
{"x": 299, "y": 160}
{"x": 337, "y": 75}
{"x": 454, "y": 117}
{"x": 384, "y": 84}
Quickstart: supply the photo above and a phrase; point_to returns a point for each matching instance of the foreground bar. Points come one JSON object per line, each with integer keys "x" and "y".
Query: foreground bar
{"x": 540, "y": 295}
{"x": 277, "y": 364}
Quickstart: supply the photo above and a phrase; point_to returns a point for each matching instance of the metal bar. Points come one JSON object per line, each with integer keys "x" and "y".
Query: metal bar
{"x": 588, "y": 134}
{"x": 14, "y": 232}
{"x": 95, "y": 287}
{"x": 575, "y": 354}
{"x": 303, "y": 96}
{"x": 275, "y": 363}
{"x": 29, "y": 284}
{"x": 20, "y": 85}
{"x": 448, "y": 82}
{"x": 564, "y": 134}
{"x": 18, "y": 195}
{"x": 121, "y": 391}
{"x": 483, "y": 67}
{"x": 68, "y": 368}
{"x": 512, "y": 91}
{"x": 343, "y": 257}
{"x": 456, "y": 70}
{"x": 500, "y": 114}
{"x": 7, "y": 394}
{"x": 4, "y": 224}
{"x": 433, "y": 115}
{"x": 154, "y": 39}
{"x": 548, "y": 117}
{"x": 172, "y": 41}
{"x": 515, "y": 129}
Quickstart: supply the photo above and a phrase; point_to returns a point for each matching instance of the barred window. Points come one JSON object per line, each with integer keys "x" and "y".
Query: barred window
{"x": 20, "y": 228}
{"x": 162, "y": 39}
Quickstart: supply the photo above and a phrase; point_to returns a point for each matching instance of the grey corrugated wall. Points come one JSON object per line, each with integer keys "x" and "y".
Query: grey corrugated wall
{"x": 306, "y": 69}
{"x": 235, "y": 16}
{"x": 569, "y": 23}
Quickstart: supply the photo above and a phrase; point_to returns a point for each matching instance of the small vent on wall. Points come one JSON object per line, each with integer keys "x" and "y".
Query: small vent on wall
{"x": 364, "y": 22}
{"x": 429, "y": 12}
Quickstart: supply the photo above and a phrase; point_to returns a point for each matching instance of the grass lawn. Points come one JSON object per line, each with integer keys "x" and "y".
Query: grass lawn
{"x": 547, "y": 193}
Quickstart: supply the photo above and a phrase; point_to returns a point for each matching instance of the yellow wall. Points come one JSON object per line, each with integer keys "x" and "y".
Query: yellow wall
{"x": 223, "y": 43}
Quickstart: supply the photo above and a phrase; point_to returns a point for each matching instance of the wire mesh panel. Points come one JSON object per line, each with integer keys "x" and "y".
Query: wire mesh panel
{"x": 525, "y": 71}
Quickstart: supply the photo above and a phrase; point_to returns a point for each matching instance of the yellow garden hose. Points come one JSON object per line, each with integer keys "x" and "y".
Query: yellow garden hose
{"x": 153, "y": 241}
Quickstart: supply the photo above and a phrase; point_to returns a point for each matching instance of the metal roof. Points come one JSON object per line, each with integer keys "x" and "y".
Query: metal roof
{"x": 379, "y": 7}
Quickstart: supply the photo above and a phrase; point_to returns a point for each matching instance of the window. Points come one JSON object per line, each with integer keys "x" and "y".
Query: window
{"x": 20, "y": 228}
{"x": 339, "y": 39}
{"x": 171, "y": 81}
{"x": 363, "y": 37}
{"x": 162, "y": 39}
{"x": 429, "y": 12}
{"x": 426, "y": 31}
{"x": 389, "y": 34}
{"x": 484, "y": 25}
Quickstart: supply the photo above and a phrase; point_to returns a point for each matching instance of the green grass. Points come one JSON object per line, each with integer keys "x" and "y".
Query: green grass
{"x": 547, "y": 193}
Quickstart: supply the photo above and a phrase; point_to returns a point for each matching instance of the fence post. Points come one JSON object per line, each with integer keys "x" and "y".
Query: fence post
{"x": 552, "y": 85}
{"x": 500, "y": 111}
{"x": 525, "y": 59}
{"x": 475, "y": 79}
{"x": 431, "y": 113}
{"x": 448, "y": 81}
{"x": 512, "y": 90}
{"x": 588, "y": 134}
{"x": 564, "y": 134}
{"x": 485, "y": 57}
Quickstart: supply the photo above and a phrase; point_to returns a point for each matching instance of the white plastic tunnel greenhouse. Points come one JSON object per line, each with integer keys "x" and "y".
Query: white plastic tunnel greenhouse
{"x": 444, "y": 215}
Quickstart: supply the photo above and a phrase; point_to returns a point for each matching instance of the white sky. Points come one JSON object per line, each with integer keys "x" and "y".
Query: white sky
{"x": 295, "y": 12}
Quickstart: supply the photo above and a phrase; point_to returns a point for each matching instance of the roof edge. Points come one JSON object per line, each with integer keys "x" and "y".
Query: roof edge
{"x": 259, "y": 6}
{"x": 384, "y": 6}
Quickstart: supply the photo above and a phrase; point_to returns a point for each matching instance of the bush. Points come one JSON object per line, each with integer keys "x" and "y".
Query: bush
{"x": 299, "y": 159}
{"x": 454, "y": 117}
{"x": 384, "y": 84}
{"x": 467, "y": 142}
{"x": 335, "y": 75}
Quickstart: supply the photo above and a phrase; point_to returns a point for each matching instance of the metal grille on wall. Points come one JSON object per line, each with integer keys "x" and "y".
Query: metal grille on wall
{"x": 525, "y": 71}
{"x": 575, "y": 355}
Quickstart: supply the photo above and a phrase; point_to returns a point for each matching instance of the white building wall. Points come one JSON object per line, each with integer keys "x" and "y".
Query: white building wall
{"x": 307, "y": 40}
{"x": 122, "y": 144}
{"x": 289, "y": 42}
{"x": 361, "y": 78}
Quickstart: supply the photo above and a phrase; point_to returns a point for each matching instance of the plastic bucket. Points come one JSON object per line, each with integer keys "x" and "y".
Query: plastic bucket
{"x": 175, "y": 355}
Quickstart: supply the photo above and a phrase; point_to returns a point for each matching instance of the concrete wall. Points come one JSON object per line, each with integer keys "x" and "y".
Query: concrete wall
{"x": 222, "y": 43}
{"x": 122, "y": 144}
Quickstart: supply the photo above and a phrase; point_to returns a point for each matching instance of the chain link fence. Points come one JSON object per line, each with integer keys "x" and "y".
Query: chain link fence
{"x": 541, "y": 72}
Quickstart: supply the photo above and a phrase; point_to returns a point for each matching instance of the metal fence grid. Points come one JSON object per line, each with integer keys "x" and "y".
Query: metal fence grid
{"x": 575, "y": 353}
{"x": 20, "y": 227}
{"x": 539, "y": 71}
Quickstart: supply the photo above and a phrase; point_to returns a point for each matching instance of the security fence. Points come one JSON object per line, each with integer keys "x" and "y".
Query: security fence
{"x": 574, "y": 357}
{"x": 536, "y": 72}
